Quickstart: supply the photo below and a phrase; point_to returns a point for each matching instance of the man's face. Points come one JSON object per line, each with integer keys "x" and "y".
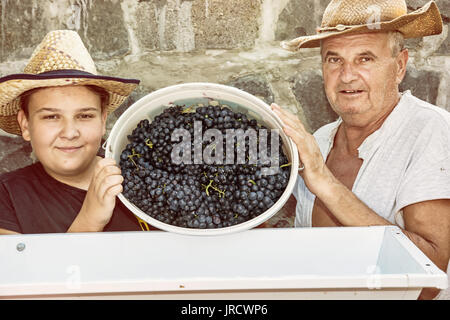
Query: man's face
{"x": 361, "y": 76}
{"x": 65, "y": 126}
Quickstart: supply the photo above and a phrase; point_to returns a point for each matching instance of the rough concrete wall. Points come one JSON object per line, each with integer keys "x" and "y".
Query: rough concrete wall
{"x": 234, "y": 42}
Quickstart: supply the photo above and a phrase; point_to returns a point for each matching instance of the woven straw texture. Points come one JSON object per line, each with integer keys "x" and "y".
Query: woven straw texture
{"x": 59, "y": 50}
{"x": 351, "y": 12}
{"x": 358, "y": 16}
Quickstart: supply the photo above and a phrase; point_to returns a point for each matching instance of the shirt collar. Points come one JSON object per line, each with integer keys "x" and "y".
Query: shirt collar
{"x": 388, "y": 127}
{"x": 372, "y": 142}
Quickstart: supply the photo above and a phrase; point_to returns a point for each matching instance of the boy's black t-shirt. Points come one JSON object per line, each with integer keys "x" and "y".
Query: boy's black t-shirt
{"x": 31, "y": 201}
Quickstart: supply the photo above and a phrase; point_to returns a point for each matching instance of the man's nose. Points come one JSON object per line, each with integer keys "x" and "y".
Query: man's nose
{"x": 348, "y": 73}
{"x": 69, "y": 130}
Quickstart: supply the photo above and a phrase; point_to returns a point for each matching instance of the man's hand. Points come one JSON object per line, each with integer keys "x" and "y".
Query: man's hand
{"x": 340, "y": 201}
{"x": 316, "y": 174}
{"x": 100, "y": 200}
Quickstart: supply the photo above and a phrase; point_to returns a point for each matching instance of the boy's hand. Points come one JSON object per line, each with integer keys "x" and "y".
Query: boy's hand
{"x": 100, "y": 200}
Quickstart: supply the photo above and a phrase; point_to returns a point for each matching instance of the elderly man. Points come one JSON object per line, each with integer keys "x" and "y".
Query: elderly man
{"x": 386, "y": 160}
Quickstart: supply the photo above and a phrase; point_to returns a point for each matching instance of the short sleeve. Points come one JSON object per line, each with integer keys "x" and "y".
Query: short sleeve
{"x": 8, "y": 219}
{"x": 428, "y": 174}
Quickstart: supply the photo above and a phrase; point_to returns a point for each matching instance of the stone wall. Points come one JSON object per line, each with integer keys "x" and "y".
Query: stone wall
{"x": 234, "y": 42}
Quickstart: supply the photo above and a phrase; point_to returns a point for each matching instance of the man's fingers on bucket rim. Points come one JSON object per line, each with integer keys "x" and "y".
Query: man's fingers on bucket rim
{"x": 288, "y": 118}
{"x": 293, "y": 134}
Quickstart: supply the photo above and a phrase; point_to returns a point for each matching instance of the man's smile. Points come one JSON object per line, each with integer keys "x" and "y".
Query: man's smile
{"x": 351, "y": 93}
{"x": 69, "y": 149}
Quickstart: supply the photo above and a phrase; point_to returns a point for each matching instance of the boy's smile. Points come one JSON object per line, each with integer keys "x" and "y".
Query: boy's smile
{"x": 65, "y": 126}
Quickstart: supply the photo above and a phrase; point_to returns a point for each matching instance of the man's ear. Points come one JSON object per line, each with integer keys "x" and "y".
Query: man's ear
{"x": 402, "y": 61}
{"x": 24, "y": 125}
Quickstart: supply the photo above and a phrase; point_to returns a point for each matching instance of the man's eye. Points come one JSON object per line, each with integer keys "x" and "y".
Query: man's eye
{"x": 366, "y": 59}
{"x": 333, "y": 60}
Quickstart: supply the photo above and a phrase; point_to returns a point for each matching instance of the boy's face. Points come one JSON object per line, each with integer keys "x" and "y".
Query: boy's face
{"x": 65, "y": 126}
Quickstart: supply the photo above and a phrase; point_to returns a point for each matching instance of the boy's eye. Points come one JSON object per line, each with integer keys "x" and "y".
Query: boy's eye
{"x": 50, "y": 117}
{"x": 86, "y": 115}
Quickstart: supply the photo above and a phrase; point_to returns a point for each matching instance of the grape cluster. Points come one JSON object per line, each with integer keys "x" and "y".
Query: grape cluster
{"x": 193, "y": 195}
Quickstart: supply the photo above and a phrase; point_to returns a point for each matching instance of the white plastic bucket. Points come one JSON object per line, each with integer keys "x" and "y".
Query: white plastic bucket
{"x": 189, "y": 94}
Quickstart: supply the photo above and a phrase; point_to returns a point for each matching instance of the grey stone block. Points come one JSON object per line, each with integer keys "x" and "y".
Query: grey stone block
{"x": 14, "y": 153}
{"x": 302, "y": 17}
{"x": 225, "y": 24}
{"x": 102, "y": 29}
{"x": 299, "y": 18}
{"x": 256, "y": 85}
{"x": 423, "y": 84}
{"x": 196, "y": 24}
{"x": 22, "y": 26}
{"x": 309, "y": 91}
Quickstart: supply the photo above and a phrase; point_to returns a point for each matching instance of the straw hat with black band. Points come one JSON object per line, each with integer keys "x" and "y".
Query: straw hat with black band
{"x": 61, "y": 59}
{"x": 361, "y": 16}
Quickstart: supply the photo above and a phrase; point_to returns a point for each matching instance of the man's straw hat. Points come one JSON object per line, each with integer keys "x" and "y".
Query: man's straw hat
{"x": 61, "y": 59}
{"x": 359, "y": 16}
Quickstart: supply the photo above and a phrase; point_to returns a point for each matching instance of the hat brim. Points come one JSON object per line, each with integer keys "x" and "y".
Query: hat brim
{"x": 13, "y": 86}
{"x": 426, "y": 21}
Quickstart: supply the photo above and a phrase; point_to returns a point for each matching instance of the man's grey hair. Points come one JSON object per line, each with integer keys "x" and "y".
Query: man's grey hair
{"x": 396, "y": 42}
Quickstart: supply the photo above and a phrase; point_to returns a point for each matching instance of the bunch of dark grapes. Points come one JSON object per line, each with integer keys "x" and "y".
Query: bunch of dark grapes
{"x": 193, "y": 195}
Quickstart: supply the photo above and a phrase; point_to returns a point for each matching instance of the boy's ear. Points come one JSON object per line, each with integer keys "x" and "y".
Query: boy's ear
{"x": 104, "y": 118}
{"x": 23, "y": 123}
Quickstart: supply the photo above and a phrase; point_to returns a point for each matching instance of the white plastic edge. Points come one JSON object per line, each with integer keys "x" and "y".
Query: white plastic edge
{"x": 440, "y": 278}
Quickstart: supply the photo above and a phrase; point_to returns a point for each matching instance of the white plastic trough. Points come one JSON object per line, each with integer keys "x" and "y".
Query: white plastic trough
{"x": 312, "y": 263}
